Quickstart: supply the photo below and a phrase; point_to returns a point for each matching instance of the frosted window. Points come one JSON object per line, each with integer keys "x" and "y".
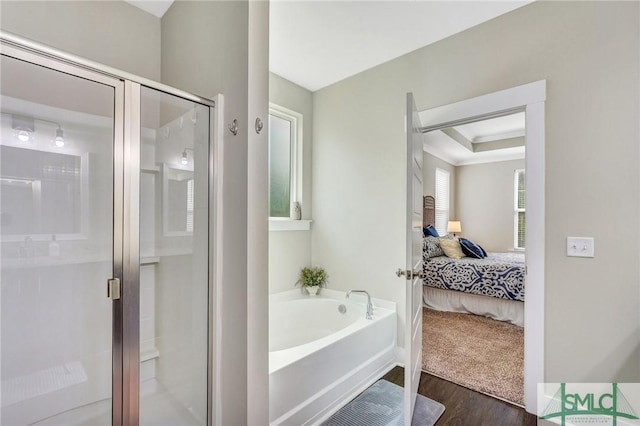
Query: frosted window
{"x": 280, "y": 150}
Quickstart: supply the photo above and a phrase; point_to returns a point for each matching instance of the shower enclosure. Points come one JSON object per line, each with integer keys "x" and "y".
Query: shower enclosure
{"x": 106, "y": 238}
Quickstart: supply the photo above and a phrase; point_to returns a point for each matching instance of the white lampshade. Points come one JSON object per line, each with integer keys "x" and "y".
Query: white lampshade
{"x": 454, "y": 226}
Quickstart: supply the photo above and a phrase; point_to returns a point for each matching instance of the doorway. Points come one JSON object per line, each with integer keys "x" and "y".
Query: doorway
{"x": 475, "y": 173}
{"x": 529, "y": 98}
{"x": 106, "y": 237}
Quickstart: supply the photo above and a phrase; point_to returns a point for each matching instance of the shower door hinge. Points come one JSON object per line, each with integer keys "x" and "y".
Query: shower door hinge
{"x": 113, "y": 288}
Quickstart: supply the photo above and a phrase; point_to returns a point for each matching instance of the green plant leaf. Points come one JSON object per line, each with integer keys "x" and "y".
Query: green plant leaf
{"x": 312, "y": 276}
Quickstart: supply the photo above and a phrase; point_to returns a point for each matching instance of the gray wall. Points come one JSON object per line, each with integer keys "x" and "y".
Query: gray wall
{"x": 113, "y": 33}
{"x": 258, "y": 207}
{"x": 205, "y": 51}
{"x": 588, "y": 53}
{"x": 429, "y": 165}
{"x": 291, "y": 250}
{"x": 484, "y": 197}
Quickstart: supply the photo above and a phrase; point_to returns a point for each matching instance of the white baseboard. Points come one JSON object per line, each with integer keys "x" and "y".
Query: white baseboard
{"x": 400, "y": 353}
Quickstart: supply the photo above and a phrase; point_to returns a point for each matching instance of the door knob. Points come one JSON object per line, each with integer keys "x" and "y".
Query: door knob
{"x": 409, "y": 274}
{"x": 401, "y": 272}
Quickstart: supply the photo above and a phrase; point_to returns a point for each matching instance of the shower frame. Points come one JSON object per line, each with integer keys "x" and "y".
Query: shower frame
{"x": 126, "y": 191}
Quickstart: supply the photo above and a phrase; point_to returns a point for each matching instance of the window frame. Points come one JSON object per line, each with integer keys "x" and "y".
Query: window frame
{"x": 295, "y": 165}
{"x": 447, "y": 211}
{"x": 516, "y": 209}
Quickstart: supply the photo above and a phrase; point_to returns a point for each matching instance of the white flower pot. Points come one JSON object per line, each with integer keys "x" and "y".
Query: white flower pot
{"x": 312, "y": 290}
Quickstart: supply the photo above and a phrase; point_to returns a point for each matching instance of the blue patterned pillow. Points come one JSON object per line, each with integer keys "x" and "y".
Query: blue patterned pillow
{"x": 430, "y": 230}
{"x": 472, "y": 249}
{"x": 431, "y": 248}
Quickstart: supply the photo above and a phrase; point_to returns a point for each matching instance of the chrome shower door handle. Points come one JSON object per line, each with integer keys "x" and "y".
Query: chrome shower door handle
{"x": 113, "y": 288}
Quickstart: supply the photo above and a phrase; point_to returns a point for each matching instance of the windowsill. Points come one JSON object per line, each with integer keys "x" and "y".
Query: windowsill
{"x": 282, "y": 224}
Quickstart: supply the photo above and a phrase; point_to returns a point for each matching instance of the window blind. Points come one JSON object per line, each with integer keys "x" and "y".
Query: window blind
{"x": 519, "y": 209}
{"x": 442, "y": 201}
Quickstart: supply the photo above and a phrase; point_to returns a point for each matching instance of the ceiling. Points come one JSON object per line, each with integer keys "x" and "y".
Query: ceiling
{"x": 508, "y": 126}
{"x": 318, "y": 43}
{"x": 154, "y": 7}
{"x": 486, "y": 141}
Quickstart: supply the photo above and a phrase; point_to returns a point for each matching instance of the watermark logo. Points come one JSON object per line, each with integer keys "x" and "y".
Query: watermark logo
{"x": 589, "y": 403}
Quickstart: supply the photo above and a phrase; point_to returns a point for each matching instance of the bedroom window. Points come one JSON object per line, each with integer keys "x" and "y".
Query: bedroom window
{"x": 519, "y": 198}
{"x": 285, "y": 138}
{"x": 442, "y": 201}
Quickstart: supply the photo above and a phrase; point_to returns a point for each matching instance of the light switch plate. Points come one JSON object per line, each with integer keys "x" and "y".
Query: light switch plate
{"x": 580, "y": 247}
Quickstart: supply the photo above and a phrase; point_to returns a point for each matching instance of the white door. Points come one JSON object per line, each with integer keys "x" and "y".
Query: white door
{"x": 413, "y": 320}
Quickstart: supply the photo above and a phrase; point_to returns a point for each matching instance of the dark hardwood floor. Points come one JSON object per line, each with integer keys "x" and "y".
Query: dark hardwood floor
{"x": 463, "y": 406}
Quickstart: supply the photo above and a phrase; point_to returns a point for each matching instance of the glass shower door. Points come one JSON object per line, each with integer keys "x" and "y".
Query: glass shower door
{"x": 174, "y": 257}
{"x": 57, "y": 144}
{"x": 102, "y": 179}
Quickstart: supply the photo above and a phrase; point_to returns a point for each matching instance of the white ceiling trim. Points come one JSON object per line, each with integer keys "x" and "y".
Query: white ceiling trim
{"x": 503, "y": 127}
{"x": 508, "y": 154}
{"x": 499, "y": 136}
{"x": 461, "y": 145}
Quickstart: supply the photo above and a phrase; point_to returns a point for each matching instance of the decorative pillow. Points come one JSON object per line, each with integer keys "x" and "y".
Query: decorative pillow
{"x": 472, "y": 249}
{"x": 451, "y": 248}
{"x": 431, "y": 248}
{"x": 430, "y": 230}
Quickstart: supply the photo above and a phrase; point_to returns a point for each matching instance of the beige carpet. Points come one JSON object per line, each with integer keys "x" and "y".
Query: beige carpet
{"x": 476, "y": 352}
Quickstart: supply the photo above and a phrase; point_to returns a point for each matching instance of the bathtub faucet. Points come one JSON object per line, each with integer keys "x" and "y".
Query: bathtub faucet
{"x": 369, "y": 314}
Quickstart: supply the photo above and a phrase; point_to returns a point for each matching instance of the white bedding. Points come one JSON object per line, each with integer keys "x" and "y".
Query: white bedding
{"x": 455, "y": 301}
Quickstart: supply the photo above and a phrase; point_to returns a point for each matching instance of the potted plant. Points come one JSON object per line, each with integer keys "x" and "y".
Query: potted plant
{"x": 312, "y": 278}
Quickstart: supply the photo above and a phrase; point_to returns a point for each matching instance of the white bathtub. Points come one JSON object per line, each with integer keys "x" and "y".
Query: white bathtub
{"x": 319, "y": 357}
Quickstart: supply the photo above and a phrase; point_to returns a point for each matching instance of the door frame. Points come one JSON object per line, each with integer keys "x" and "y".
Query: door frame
{"x": 126, "y": 191}
{"x": 529, "y": 98}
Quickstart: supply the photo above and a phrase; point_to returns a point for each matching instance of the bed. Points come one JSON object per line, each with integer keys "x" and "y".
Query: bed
{"x": 492, "y": 287}
{"x": 499, "y": 275}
